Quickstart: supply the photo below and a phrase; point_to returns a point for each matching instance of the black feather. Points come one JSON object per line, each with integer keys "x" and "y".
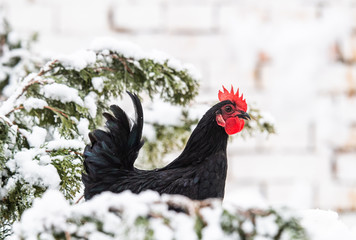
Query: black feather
{"x": 199, "y": 172}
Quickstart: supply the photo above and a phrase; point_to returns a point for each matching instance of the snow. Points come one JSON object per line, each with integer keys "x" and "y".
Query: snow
{"x": 49, "y": 215}
{"x": 37, "y": 137}
{"x": 161, "y": 231}
{"x": 77, "y": 60}
{"x": 128, "y": 49}
{"x": 90, "y": 103}
{"x": 45, "y": 217}
{"x": 31, "y": 171}
{"x": 149, "y": 132}
{"x": 65, "y": 144}
{"x": 13, "y": 38}
{"x": 62, "y": 93}
{"x": 325, "y": 225}
{"x": 98, "y": 83}
{"x": 185, "y": 227}
{"x": 8, "y": 105}
{"x": 34, "y": 103}
{"x": 131, "y": 50}
{"x": 247, "y": 226}
{"x": 266, "y": 225}
{"x": 163, "y": 113}
{"x": 83, "y": 128}
{"x": 213, "y": 230}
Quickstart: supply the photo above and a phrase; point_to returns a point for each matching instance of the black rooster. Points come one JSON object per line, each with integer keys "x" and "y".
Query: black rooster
{"x": 198, "y": 173}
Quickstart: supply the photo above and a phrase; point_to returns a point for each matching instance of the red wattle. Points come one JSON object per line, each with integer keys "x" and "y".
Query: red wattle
{"x": 234, "y": 125}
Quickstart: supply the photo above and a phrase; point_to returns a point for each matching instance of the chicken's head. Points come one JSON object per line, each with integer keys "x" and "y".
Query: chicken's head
{"x": 232, "y": 115}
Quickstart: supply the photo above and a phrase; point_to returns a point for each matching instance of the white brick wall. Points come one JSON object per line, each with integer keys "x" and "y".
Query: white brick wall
{"x": 138, "y": 16}
{"x": 311, "y": 161}
{"x": 271, "y": 167}
{"x": 26, "y": 17}
{"x": 345, "y": 168}
{"x": 190, "y": 17}
{"x": 81, "y": 18}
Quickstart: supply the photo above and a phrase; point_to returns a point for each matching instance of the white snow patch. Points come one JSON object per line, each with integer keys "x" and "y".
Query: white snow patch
{"x": 163, "y": 113}
{"x": 247, "y": 226}
{"x": 78, "y": 60}
{"x": 184, "y": 227}
{"x": 13, "y": 38}
{"x": 131, "y": 50}
{"x": 266, "y": 225}
{"x": 98, "y": 83}
{"x": 83, "y": 128}
{"x": 31, "y": 171}
{"x": 65, "y": 144}
{"x": 90, "y": 103}
{"x": 50, "y": 211}
{"x": 34, "y": 103}
{"x": 62, "y": 93}
{"x": 3, "y": 76}
{"x": 10, "y": 103}
{"x": 213, "y": 229}
{"x": 161, "y": 231}
{"x": 325, "y": 225}
{"x": 37, "y": 137}
{"x": 149, "y": 132}
{"x": 126, "y": 48}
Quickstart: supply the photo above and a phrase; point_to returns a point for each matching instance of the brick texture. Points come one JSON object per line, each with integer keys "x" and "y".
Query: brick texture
{"x": 296, "y": 61}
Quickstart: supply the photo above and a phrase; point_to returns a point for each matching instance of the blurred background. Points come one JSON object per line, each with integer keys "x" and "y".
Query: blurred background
{"x": 296, "y": 60}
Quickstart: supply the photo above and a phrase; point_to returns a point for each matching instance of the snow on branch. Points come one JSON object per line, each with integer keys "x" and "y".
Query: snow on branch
{"x": 150, "y": 216}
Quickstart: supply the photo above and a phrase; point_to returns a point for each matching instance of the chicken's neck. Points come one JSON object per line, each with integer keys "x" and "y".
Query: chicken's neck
{"x": 207, "y": 139}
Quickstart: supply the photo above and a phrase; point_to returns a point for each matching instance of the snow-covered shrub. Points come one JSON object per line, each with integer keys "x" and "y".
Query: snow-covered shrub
{"x": 150, "y": 216}
{"x": 46, "y": 120}
{"x": 16, "y": 58}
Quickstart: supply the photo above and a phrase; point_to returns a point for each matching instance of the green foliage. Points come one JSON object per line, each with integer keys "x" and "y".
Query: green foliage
{"x": 69, "y": 167}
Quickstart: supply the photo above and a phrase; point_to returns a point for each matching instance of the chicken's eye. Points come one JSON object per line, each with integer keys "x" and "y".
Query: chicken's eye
{"x": 228, "y": 109}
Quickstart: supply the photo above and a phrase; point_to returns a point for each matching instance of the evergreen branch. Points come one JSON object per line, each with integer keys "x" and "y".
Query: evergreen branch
{"x": 67, "y": 235}
{"x": 69, "y": 151}
{"x": 7, "y": 106}
{"x": 81, "y": 197}
{"x": 57, "y": 111}
{"x": 7, "y": 120}
{"x": 34, "y": 81}
{"x": 104, "y": 68}
{"x": 122, "y": 60}
{"x": 48, "y": 107}
{"x": 15, "y": 109}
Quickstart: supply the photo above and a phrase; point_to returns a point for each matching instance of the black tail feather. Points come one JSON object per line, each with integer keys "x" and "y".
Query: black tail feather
{"x": 113, "y": 150}
{"x": 135, "y": 142}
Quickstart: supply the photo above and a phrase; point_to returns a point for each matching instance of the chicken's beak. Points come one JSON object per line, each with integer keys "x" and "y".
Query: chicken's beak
{"x": 244, "y": 115}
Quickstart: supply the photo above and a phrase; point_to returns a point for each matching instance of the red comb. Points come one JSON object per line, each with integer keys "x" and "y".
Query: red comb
{"x": 233, "y": 97}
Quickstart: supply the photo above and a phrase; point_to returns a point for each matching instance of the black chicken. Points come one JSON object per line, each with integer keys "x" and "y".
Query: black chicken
{"x": 198, "y": 173}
